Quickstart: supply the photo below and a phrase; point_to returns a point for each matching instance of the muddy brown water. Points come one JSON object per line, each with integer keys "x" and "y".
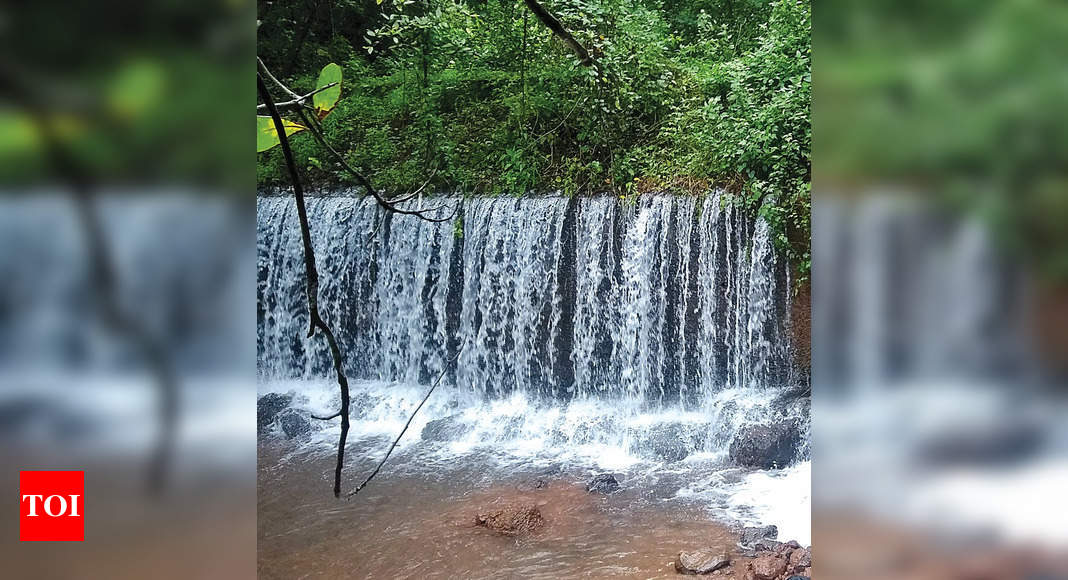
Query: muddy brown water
{"x": 413, "y": 522}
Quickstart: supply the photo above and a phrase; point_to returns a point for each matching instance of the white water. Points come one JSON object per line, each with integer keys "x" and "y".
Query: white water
{"x": 597, "y": 333}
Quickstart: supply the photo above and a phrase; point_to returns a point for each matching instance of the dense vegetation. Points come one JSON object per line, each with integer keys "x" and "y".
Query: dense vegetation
{"x": 962, "y": 102}
{"x": 480, "y": 96}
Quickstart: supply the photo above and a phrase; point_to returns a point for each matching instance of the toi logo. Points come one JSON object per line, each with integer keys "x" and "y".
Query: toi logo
{"x": 51, "y": 505}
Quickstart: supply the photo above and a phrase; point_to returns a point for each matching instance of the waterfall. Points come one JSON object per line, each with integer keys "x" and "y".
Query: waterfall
{"x": 666, "y": 299}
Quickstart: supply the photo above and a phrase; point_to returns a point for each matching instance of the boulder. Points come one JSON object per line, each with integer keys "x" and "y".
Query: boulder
{"x": 268, "y": 407}
{"x": 768, "y": 567}
{"x": 766, "y": 446}
{"x": 603, "y": 483}
{"x": 801, "y": 559}
{"x": 444, "y": 429}
{"x": 752, "y": 534}
{"x": 703, "y": 561}
{"x": 514, "y": 520}
{"x": 294, "y": 424}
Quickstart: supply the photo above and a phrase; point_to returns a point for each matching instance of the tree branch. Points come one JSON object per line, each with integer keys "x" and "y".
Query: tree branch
{"x": 550, "y": 21}
{"x": 312, "y": 275}
{"x": 386, "y": 204}
{"x": 297, "y": 102}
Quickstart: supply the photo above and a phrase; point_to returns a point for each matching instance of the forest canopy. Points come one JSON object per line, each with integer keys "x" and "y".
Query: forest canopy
{"x": 482, "y": 97}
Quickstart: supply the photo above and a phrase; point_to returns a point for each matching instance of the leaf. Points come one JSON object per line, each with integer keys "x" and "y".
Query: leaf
{"x": 325, "y": 100}
{"x": 267, "y": 135}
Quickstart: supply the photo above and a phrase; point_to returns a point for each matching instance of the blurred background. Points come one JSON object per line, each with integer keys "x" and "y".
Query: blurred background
{"x": 127, "y": 329}
{"x": 940, "y": 289}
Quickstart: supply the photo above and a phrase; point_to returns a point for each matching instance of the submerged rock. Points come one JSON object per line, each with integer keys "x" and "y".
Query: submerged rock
{"x": 704, "y": 561}
{"x": 444, "y": 429}
{"x": 269, "y": 406}
{"x": 766, "y": 446}
{"x": 603, "y": 483}
{"x": 513, "y": 520}
{"x": 670, "y": 442}
{"x": 294, "y": 424}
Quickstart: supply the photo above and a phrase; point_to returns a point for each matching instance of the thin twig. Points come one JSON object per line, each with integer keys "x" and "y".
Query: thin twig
{"x": 366, "y": 183}
{"x": 297, "y": 102}
{"x": 266, "y": 71}
{"x": 444, "y": 371}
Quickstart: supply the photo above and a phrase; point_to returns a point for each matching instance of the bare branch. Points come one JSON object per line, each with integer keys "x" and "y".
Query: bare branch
{"x": 366, "y": 183}
{"x": 265, "y": 71}
{"x": 444, "y": 371}
{"x": 550, "y": 21}
{"x": 297, "y": 102}
{"x": 312, "y": 275}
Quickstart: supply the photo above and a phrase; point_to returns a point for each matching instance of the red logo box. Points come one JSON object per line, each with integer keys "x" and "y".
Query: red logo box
{"x": 52, "y": 506}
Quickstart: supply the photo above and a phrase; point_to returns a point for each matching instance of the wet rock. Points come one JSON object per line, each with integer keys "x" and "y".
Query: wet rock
{"x": 603, "y": 483}
{"x": 669, "y": 442}
{"x": 444, "y": 429}
{"x": 798, "y": 577}
{"x": 268, "y": 407}
{"x": 766, "y": 446}
{"x": 768, "y": 567}
{"x": 801, "y": 559}
{"x": 294, "y": 424}
{"x": 752, "y": 534}
{"x": 768, "y": 545}
{"x": 704, "y": 561}
{"x": 513, "y": 520}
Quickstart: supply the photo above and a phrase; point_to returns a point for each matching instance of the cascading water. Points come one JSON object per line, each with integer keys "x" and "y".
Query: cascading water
{"x": 606, "y": 332}
{"x": 669, "y": 298}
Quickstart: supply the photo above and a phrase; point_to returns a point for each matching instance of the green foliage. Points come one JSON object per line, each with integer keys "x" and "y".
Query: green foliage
{"x": 482, "y": 96}
{"x": 325, "y": 99}
{"x": 267, "y": 133}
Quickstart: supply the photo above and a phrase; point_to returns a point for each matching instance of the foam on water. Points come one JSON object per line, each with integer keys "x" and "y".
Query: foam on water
{"x": 598, "y": 333}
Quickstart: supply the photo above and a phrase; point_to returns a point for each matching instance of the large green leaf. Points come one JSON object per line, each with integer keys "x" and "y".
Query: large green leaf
{"x": 325, "y": 100}
{"x": 267, "y": 135}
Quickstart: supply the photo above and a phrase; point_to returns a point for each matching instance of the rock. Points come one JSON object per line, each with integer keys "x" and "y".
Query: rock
{"x": 268, "y": 407}
{"x": 444, "y": 429}
{"x": 294, "y": 424}
{"x": 768, "y": 567}
{"x": 768, "y": 545}
{"x": 801, "y": 559}
{"x": 513, "y": 520}
{"x": 752, "y": 534}
{"x": 603, "y": 483}
{"x": 766, "y": 446}
{"x": 798, "y": 577}
{"x": 668, "y": 442}
{"x": 704, "y": 561}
